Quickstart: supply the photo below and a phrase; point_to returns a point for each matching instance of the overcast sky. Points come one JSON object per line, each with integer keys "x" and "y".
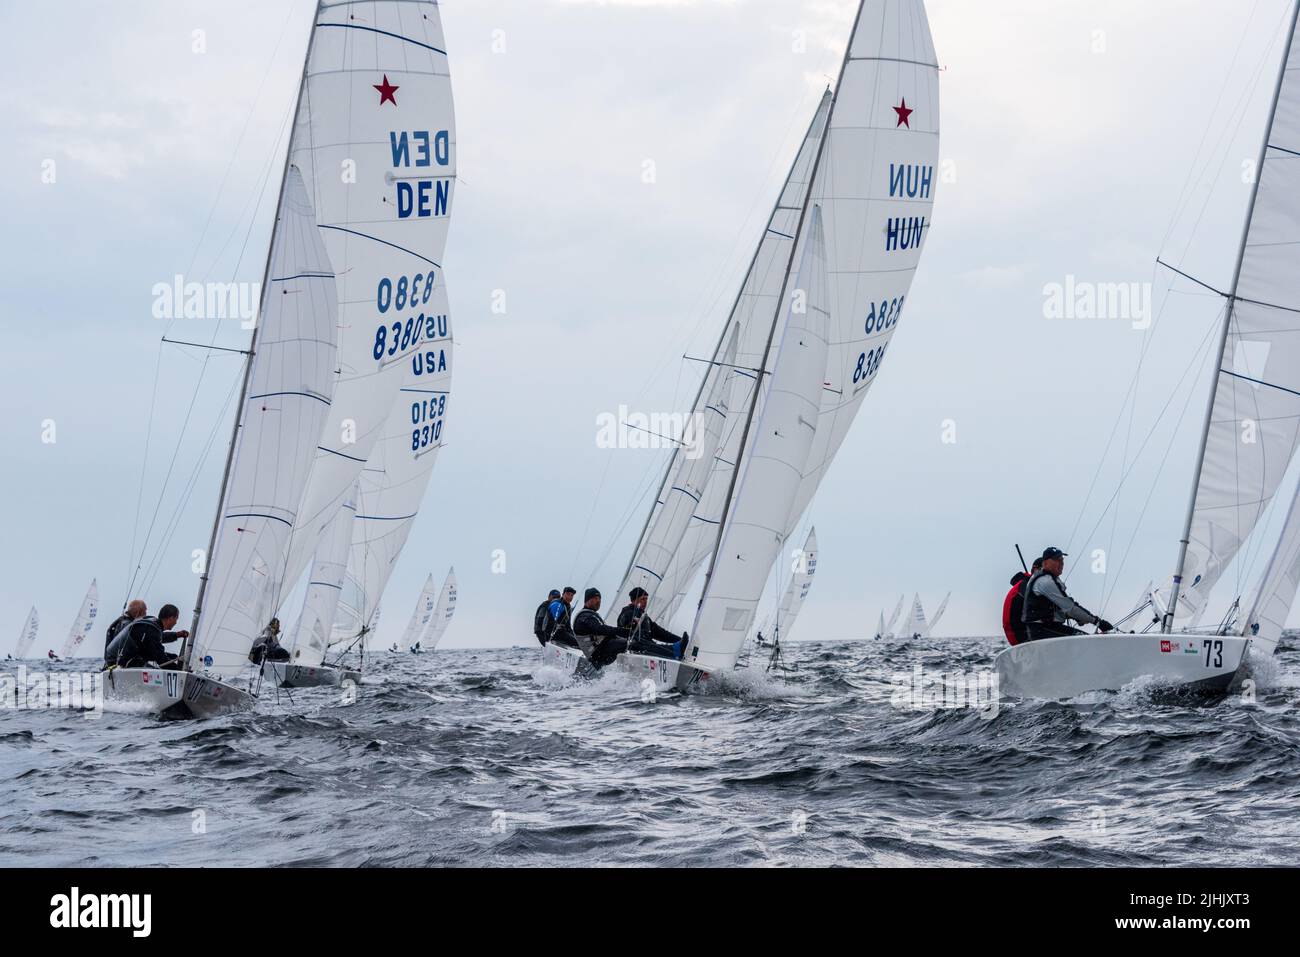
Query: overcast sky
{"x": 1080, "y": 138}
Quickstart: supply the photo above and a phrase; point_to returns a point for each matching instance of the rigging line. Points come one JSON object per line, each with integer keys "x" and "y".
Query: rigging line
{"x": 1155, "y": 482}
{"x": 1209, "y": 125}
{"x": 151, "y": 569}
{"x": 144, "y": 471}
{"x": 1159, "y": 418}
{"x": 248, "y": 119}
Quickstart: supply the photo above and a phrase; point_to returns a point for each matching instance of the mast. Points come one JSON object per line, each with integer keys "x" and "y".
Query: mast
{"x": 252, "y": 352}
{"x": 780, "y": 305}
{"x": 717, "y": 352}
{"x": 1167, "y": 625}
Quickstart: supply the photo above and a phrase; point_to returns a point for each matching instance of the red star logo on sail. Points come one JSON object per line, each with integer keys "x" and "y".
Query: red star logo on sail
{"x": 904, "y": 114}
{"x": 387, "y": 91}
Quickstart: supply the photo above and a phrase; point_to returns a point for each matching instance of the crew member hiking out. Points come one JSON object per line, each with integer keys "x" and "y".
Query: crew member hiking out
{"x": 542, "y": 618}
{"x": 601, "y": 643}
{"x": 135, "y": 610}
{"x": 558, "y": 614}
{"x": 1013, "y": 606}
{"x": 647, "y": 637}
{"x": 140, "y": 644}
{"x": 267, "y": 647}
{"x": 1048, "y": 607}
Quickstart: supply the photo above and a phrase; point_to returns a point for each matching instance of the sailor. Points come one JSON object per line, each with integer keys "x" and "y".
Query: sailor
{"x": 135, "y": 609}
{"x": 647, "y": 637}
{"x": 559, "y": 612}
{"x": 1013, "y": 606}
{"x": 542, "y": 618}
{"x": 1048, "y": 607}
{"x": 140, "y": 644}
{"x": 267, "y": 647}
{"x": 601, "y": 643}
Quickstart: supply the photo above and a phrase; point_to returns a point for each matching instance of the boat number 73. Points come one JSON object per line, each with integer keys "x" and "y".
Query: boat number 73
{"x": 1213, "y": 653}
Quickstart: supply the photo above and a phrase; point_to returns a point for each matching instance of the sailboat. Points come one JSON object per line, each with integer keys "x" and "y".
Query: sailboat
{"x": 803, "y": 343}
{"x": 443, "y": 612}
{"x": 1258, "y": 370}
{"x": 27, "y": 637}
{"x": 914, "y": 626}
{"x": 345, "y": 321}
{"x": 801, "y": 579}
{"x": 934, "y": 622}
{"x": 886, "y": 629}
{"x": 84, "y": 622}
{"x": 421, "y": 617}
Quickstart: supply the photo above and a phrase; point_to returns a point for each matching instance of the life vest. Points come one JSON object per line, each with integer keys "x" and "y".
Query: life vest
{"x": 1039, "y": 610}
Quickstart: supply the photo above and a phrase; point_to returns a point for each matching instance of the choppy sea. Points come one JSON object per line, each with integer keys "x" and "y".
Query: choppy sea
{"x": 486, "y": 758}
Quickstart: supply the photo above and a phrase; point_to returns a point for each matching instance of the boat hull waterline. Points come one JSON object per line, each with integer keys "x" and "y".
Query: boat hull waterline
{"x": 286, "y": 675}
{"x": 666, "y": 674}
{"x": 1059, "y": 668}
{"x": 172, "y": 694}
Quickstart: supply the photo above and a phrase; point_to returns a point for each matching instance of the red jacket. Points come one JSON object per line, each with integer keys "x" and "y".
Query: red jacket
{"x": 1012, "y": 607}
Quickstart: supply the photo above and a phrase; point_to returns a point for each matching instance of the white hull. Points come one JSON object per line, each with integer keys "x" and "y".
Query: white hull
{"x": 1058, "y": 668}
{"x": 666, "y": 674}
{"x": 172, "y": 694}
{"x": 284, "y": 674}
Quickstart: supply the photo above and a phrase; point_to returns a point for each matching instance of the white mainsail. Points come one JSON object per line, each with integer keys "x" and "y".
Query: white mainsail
{"x": 84, "y": 621}
{"x": 1276, "y": 593}
{"x": 874, "y": 176}
{"x": 311, "y": 637}
{"x": 880, "y": 628}
{"x": 290, "y": 385}
{"x": 396, "y": 477}
{"x": 442, "y": 614}
{"x": 423, "y": 614}
{"x": 752, "y": 313}
{"x": 914, "y": 625}
{"x": 1253, "y": 427}
{"x": 769, "y": 480}
{"x": 27, "y": 637}
{"x": 376, "y": 141}
{"x": 888, "y": 630}
{"x": 801, "y": 579}
{"x": 691, "y": 474}
{"x": 933, "y": 623}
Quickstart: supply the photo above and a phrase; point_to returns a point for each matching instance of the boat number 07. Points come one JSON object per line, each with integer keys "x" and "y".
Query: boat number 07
{"x": 1213, "y": 653}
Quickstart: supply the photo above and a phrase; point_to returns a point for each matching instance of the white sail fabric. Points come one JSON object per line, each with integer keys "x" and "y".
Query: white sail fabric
{"x": 442, "y": 614}
{"x": 934, "y": 622}
{"x": 880, "y": 628}
{"x": 754, "y": 308}
{"x": 396, "y": 477}
{"x": 914, "y": 625}
{"x": 888, "y": 631}
{"x": 875, "y": 184}
{"x": 801, "y": 579}
{"x": 876, "y": 187}
{"x": 310, "y": 639}
{"x": 27, "y": 637}
{"x": 769, "y": 478}
{"x": 290, "y": 388}
{"x": 1266, "y": 617}
{"x": 84, "y": 622}
{"x": 692, "y": 468}
{"x": 423, "y": 614}
{"x": 376, "y": 141}
{"x": 1255, "y": 423}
